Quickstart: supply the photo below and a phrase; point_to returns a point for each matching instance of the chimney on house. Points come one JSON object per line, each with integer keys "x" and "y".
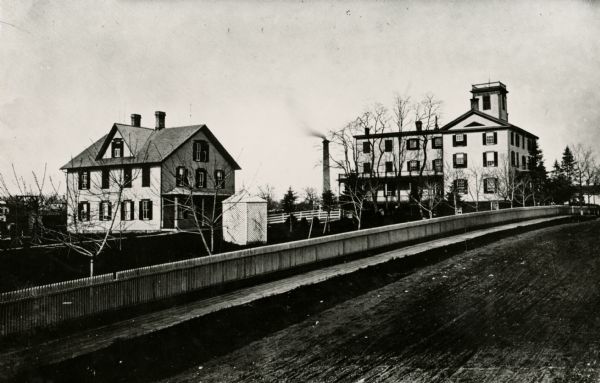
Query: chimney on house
{"x": 136, "y": 120}
{"x": 436, "y": 124}
{"x": 419, "y": 125}
{"x": 326, "y": 181}
{"x": 367, "y": 131}
{"x": 160, "y": 119}
{"x": 474, "y": 103}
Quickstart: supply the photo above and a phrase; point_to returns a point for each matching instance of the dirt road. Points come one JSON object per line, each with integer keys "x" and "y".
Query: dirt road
{"x": 522, "y": 309}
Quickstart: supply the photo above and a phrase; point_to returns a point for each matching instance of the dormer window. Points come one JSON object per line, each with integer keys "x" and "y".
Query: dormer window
{"x": 117, "y": 148}
{"x": 201, "y": 151}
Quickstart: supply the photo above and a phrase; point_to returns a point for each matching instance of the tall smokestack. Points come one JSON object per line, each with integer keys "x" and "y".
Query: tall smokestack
{"x": 326, "y": 183}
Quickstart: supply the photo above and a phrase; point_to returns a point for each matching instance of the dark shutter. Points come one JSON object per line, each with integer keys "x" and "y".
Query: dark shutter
{"x": 123, "y": 210}
{"x": 485, "y": 185}
{"x": 79, "y": 179}
{"x": 79, "y": 208}
{"x": 100, "y": 216}
{"x": 141, "y": 210}
{"x": 484, "y": 159}
{"x": 495, "y": 158}
{"x": 483, "y": 135}
{"x": 454, "y": 160}
{"x": 453, "y": 140}
{"x": 131, "y": 209}
{"x": 465, "y": 139}
{"x": 466, "y": 186}
{"x": 495, "y": 138}
{"x": 465, "y": 164}
{"x": 149, "y": 209}
{"x": 455, "y": 184}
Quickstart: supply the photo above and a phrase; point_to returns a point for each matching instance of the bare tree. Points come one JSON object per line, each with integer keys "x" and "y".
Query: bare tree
{"x": 267, "y": 192}
{"x": 507, "y": 180}
{"x": 584, "y": 168}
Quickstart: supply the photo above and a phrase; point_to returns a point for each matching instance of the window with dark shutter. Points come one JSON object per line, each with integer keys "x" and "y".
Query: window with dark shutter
{"x": 459, "y": 140}
{"x": 389, "y": 167}
{"x": 200, "y": 178}
{"x": 389, "y": 145}
{"x": 84, "y": 179}
{"x": 490, "y": 185}
{"x": 367, "y": 167}
{"x": 413, "y": 165}
{"x": 366, "y": 147}
{"x": 145, "y": 213}
{"x": 390, "y": 189}
{"x": 413, "y": 144}
{"x": 117, "y": 148}
{"x": 437, "y": 165}
{"x": 104, "y": 211}
{"x": 181, "y": 178}
{"x": 83, "y": 211}
{"x": 437, "y": 143}
{"x": 460, "y": 186}
{"x": 460, "y": 160}
{"x": 146, "y": 176}
{"x": 105, "y": 178}
{"x": 127, "y": 210}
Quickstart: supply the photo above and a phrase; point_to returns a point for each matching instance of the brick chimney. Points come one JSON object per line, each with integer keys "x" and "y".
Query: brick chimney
{"x": 419, "y": 125}
{"x": 160, "y": 119}
{"x": 136, "y": 120}
{"x": 474, "y": 103}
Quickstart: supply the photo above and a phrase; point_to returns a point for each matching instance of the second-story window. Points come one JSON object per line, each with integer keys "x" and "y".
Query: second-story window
{"x": 460, "y": 160}
{"x": 366, "y": 147}
{"x": 200, "y": 178}
{"x": 84, "y": 179}
{"x": 437, "y": 143}
{"x": 437, "y": 165}
{"x": 490, "y": 159}
{"x": 459, "y": 139}
{"x": 105, "y": 178}
{"x": 487, "y": 105}
{"x": 523, "y": 163}
{"x": 219, "y": 179}
{"x": 367, "y": 167}
{"x": 413, "y": 144}
{"x": 390, "y": 189}
{"x": 518, "y": 140}
{"x": 146, "y": 176}
{"x": 389, "y": 145}
{"x": 117, "y": 148}
{"x": 413, "y": 165}
{"x": 127, "y": 210}
{"x": 389, "y": 167}
{"x": 201, "y": 151}
{"x": 490, "y": 138}
{"x": 512, "y": 138}
{"x": 512, "y": 158}
{"x": 181, "y": 176}
{"x": 127, "y": 177}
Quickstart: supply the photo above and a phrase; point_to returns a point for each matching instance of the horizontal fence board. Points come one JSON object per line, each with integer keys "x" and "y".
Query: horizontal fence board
{"x": 42, "y": 306}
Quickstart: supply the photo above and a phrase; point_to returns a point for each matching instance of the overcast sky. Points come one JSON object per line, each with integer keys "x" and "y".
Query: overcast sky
{"x": 259, "y": 73}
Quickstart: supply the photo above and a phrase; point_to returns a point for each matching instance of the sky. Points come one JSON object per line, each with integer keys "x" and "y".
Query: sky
{"x": 261, "y": 74}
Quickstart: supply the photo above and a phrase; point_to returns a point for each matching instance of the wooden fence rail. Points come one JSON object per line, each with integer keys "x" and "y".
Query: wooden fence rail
{"x": 334, "y": 215}
{"x": 42, "y": 306}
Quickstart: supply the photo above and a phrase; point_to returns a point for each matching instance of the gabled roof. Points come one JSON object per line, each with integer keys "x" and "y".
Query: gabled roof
{"x": 146, "y": 145}
{"x": 498, "y": 122}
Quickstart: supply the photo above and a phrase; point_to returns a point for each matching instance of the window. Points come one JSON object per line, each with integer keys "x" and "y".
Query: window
{"x": 105, "y": 178}
{"x": 523, "y": 143}
{"x": 413, "y": 144}
{"x": 181, "y": 176}
{"x": 83, "y": 211}
{"x": 200, "y": 178}
{"x": 487, "y": 105}
{"x": 104, "y": 211}
{"x": 490, "y": 138}
{"x": 145, "y": 210}
{"x": 460, "y": 185}
{"x": 437, "y": 143}
{"x": 523, "y": 162}
{"x": 389, "y": 167}
{"x": 517, "y": 160}
{"x": 460, "y": 160}
{"x": 117, "y": 148}
{"x": 512, "y": 138}
{"x": 512, "y": 158}
{"x": 413, "y": 165}
{"x": 219, "y": 179}
{"x": 127, "y": 211}
{"x": 437, "y": 165}
{"x": 390, "y": 189}
{"x": 518, "y": 139}
{"x": 367, "y": 167}
{"x": 490, "y": 159}
{"x": 201, "y": 151}
{"x": 459, "y": 140}
{"x": 146, "y": 176}
{"x": 84, "y": 179}
{"x": 389, "y": 145}
{"x": 366, "y": 147}
{"x": 490, "y": 185}
{"x": 127, "y": 178}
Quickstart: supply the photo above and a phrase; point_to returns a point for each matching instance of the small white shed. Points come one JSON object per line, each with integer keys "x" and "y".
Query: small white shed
{"x": 244, "y": 219}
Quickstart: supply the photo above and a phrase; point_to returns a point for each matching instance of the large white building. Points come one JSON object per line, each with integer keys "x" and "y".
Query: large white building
{"x": 473, "y": 154}
{"x": 141, "y": 179}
